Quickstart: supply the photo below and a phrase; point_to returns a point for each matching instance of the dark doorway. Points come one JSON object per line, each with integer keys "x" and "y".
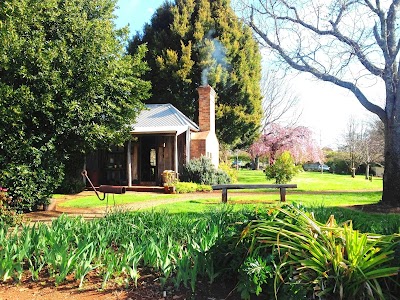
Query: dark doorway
{"x": 148, "y": 160}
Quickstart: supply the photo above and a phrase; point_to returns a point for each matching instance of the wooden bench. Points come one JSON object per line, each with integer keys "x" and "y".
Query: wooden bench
{"x": 225, "y": 187}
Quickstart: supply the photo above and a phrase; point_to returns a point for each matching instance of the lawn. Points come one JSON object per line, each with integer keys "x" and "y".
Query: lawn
{"x": 93, "y": 201}
{"x": 327, "y": 200}
{"x": 315, "y": 181}
{"x": 313, "y": 189}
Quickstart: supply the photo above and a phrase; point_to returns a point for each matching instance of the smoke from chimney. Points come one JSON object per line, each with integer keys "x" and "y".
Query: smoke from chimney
{"x": 217, "y": 53}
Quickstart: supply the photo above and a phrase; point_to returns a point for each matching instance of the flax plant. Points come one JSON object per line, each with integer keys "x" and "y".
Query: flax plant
{"x": 326, "y": 260}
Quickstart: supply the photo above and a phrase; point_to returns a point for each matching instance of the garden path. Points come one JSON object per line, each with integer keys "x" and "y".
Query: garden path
{"x": 55, "y": 210}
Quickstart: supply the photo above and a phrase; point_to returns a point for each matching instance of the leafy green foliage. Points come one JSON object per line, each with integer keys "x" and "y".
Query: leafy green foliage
{"x": 256, "y": 248}
{"x": 338, "y": 162}
{"x": 326, "y": 260}
{"x": 232, "y": 173}
{"x": 190, "y": 187}
{"x": 31, "y": 185}
{"x": 65, "y": 90}
{"x": 202, "y": 171}
{"x": 7, "y": 214}
{"x": 199, "y": 42}
{"x": 253, "y": 275}
{"x": 283, "y": 169}
{"x": 177, "y": 247}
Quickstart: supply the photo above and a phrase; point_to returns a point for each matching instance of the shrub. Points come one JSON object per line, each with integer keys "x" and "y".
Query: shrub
{"x": 191, "y": 187}
{"x": 338, "y": 162}
{"x": 283, "y": 170}
{"x": 72, "y": 182}
{"x": 232, "y": 173}
{"x": 7, "y": 214}
{"x": 202, "y": 171}
{"x": 71, "y": 185}
{"x": 185, "y": 187}
{"x": 30, "y": 186}
{"x": 204, "y": 188}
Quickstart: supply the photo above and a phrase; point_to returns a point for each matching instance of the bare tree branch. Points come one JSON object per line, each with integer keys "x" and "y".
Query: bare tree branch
{"x": 305, "y": 67}
{"x": 279, "y": 102}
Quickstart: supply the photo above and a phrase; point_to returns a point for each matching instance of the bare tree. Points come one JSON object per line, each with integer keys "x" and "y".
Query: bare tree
{"x": 343, "y": 42}
{"x": 280, "y": 103}
{"x": 353, "y": 145}
{"x": 363, "y": 143}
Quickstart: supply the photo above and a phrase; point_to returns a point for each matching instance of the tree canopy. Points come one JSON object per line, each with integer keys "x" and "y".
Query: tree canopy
{"x": 66, "y": 85}
{"x": 199, "y": 42}
{"x": 298, "y": 141}
{"x": 344, "y": 42}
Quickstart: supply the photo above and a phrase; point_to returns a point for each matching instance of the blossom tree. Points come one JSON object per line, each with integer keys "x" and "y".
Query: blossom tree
{"x": 298, "y": 141}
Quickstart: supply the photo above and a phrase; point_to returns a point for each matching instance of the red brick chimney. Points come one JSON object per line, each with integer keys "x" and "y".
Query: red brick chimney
{"x": 205, "y": 142}
{"x": 206, "y": 108}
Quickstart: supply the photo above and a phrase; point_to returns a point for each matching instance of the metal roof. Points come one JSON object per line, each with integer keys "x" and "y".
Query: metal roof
{"x": 162, "y": 118}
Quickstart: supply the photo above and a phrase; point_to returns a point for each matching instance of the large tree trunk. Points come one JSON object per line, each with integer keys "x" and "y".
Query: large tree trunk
{"x": 391, "y": 177}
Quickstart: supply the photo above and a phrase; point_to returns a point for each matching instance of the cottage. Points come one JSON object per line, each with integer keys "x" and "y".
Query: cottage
{"x": 163, "y": 138}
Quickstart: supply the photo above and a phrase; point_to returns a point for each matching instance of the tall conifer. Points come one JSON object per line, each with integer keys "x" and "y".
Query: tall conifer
{"x": 198, "y": 42}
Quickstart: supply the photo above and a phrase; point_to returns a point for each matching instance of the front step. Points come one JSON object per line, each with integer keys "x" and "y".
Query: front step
{"x": 138, "y": 188}
{"x": 142, "y": 188}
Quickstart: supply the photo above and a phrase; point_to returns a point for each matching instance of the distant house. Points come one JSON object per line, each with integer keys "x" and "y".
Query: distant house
{"x": 377, "y": 169}
{"x": 163, "y": 138}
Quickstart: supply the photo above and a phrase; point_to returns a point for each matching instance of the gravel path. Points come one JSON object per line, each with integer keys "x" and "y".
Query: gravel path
{"x": 55, "y": 210}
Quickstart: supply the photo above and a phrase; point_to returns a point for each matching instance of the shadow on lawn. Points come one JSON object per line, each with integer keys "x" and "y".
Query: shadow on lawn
{"x": 376, "y": 208}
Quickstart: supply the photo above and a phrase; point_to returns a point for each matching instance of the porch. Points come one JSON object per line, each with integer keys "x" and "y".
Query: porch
{"x": 161, "y": 140}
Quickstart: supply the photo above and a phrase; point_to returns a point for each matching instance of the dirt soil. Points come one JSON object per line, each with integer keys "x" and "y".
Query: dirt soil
{"x": 148, "y": 289}
{"x": 148, "y": 286}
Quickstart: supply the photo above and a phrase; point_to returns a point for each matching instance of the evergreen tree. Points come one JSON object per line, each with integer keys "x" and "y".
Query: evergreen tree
{"x": 66, "y": 87}
{"x": 199, "y": 42}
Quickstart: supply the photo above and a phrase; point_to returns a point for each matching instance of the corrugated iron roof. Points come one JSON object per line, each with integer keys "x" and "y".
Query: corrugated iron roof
{"x": 159, "y": 118}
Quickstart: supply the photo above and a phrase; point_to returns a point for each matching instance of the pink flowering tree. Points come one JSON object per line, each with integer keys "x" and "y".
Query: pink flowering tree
{"x": 298, "y": 141}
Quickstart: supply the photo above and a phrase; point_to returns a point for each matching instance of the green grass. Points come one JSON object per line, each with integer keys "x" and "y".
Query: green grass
{"x": 332, "y": 199}
{"x": 188, "y": 207}
{"x": 312, "y": 190}
{"x": 272, "y": 199}
{"x": 93, "y": 201}
{"x": 315, "y": 181}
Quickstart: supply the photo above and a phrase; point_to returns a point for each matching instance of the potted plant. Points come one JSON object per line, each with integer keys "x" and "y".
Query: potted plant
{"x": 169, "y": 179}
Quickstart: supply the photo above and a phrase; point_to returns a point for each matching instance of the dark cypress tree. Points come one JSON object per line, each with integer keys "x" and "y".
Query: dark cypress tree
{"x": 198, "y": 42}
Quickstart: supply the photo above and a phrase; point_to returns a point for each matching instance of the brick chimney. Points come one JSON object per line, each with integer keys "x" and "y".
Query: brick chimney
{"x": 205, "y": 142}
{"x": 206, "y": 108}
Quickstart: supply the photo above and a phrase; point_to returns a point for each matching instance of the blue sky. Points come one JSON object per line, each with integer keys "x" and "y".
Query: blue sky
{"x": 136, "y": 13}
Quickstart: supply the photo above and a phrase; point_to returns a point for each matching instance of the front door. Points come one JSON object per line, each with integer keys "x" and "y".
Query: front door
{"x": 148, "y": 160}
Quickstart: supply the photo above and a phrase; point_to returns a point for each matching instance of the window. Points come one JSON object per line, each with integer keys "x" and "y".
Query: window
{"x": 153, "y": 157}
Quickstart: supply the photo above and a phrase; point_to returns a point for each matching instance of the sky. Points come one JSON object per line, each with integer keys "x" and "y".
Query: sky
{"x": 326, "y": 108}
